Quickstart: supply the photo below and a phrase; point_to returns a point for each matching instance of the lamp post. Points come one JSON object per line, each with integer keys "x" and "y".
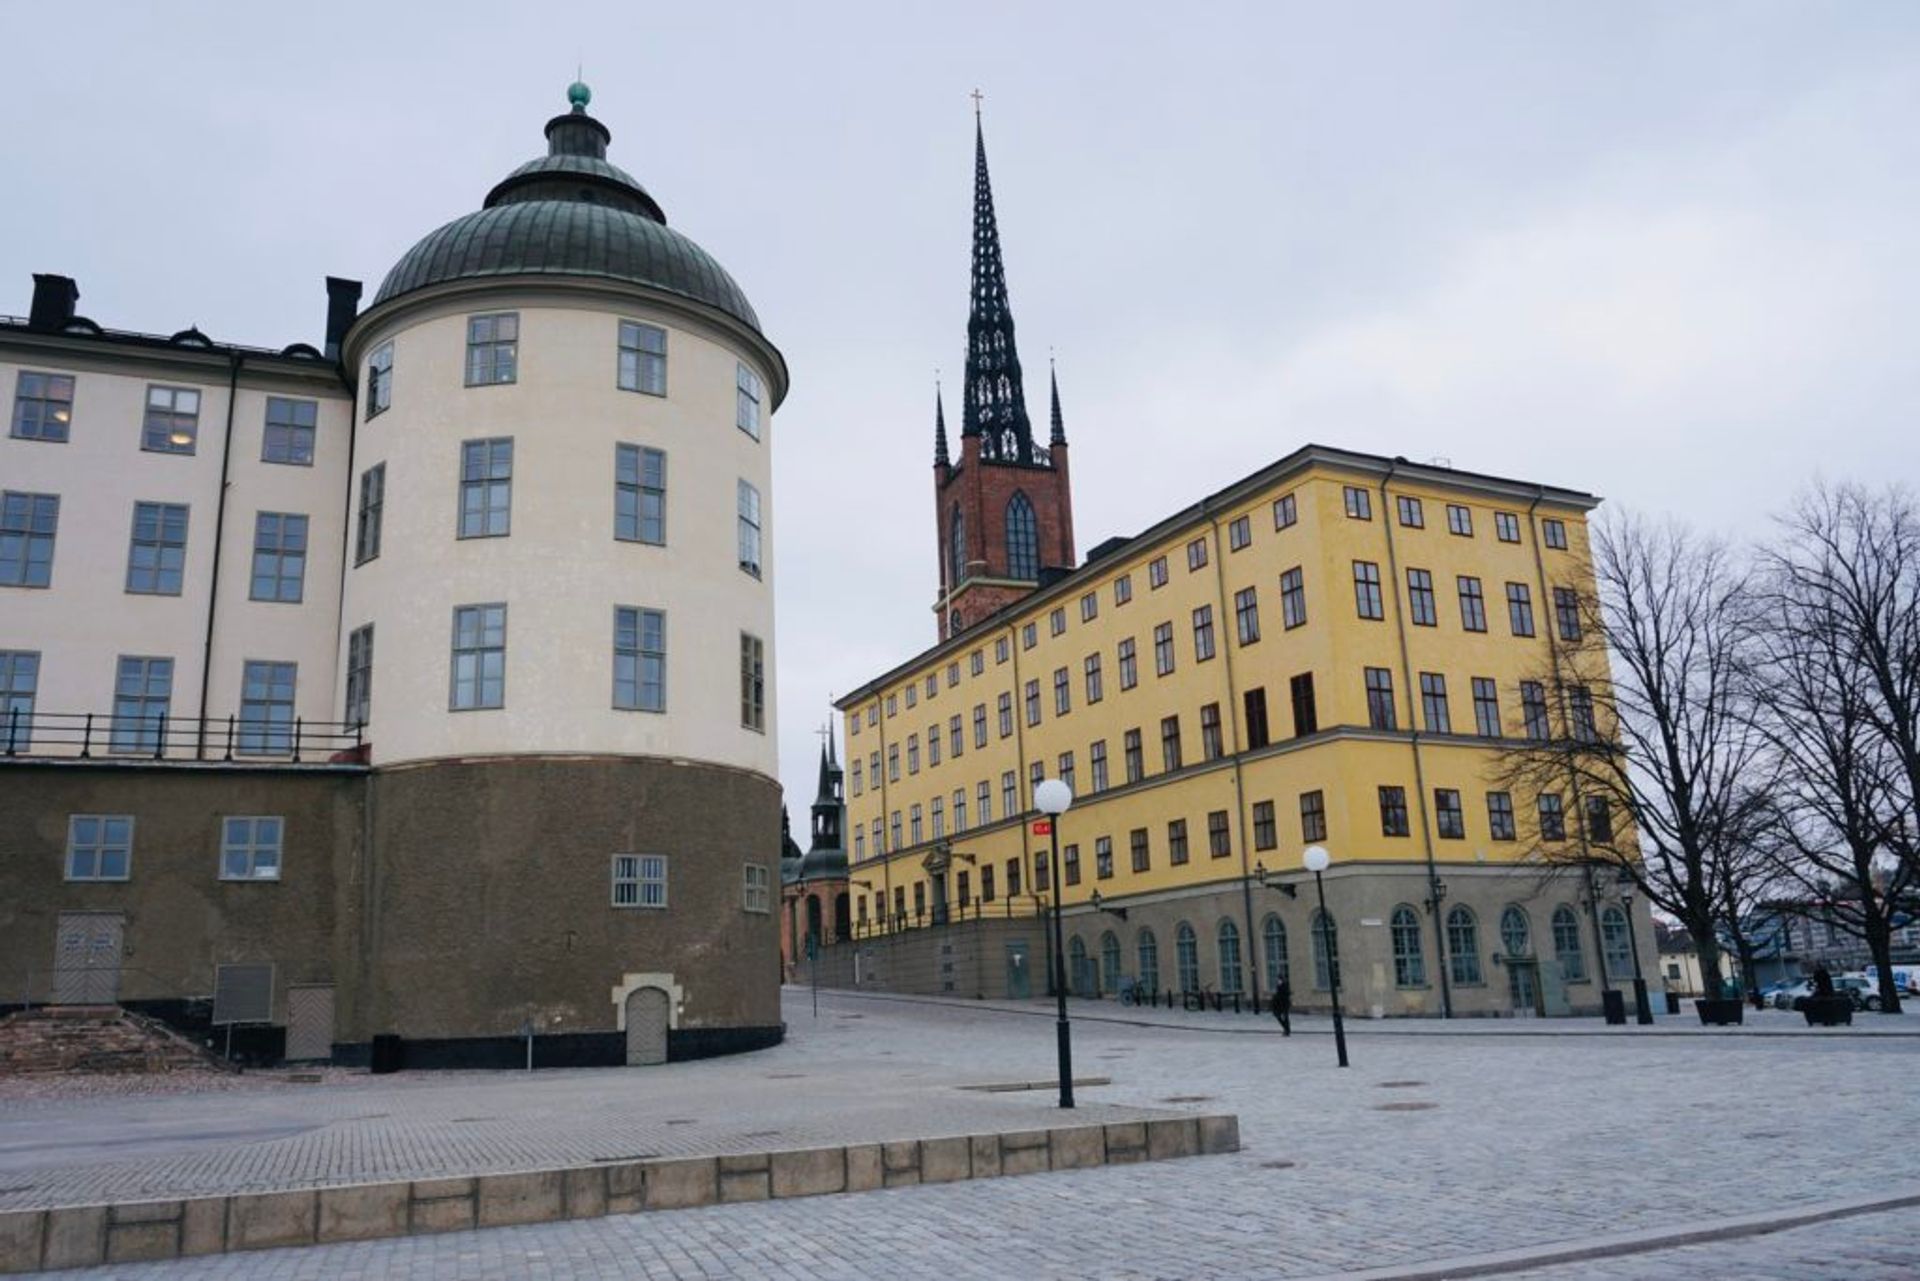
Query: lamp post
{"x": 1642, "y": 1012}
{"x": 1052, "y": 798}
{"x": 1316, "y": 859}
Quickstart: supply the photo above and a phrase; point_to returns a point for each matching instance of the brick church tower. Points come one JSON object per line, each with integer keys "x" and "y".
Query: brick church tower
{"x": 1004, "y": 511}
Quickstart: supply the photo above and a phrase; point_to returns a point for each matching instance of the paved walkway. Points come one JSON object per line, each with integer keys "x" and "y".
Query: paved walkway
{"x": 1429, "y": 1148}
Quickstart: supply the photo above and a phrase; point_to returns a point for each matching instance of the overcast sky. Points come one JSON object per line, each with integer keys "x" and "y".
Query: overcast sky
{"x": 1664, "y": 252}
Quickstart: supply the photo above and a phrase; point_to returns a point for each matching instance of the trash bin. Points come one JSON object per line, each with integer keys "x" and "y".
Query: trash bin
{"x": 1613, "y": 1000}
{"x": 388, "y": 1054}
{"x": 1673, "y": 1002}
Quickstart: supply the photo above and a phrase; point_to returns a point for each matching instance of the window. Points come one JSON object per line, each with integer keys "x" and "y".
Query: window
{"x": 913, "y": 753}
{"x": 479, "y": 657}
{"x": 1023, "y": 539}
{"x": 493, "y": 345}
{"x": 977, "y": 662}
{"x": 359, "y": 675}
{"x": 279, "y": 557}
{"x": 893, "y": 762}
{"x": 639, "y": 880}
{"x": 1326, "y": 951}
{"x": 366, "y": 537}
{"x": 1142, "y": 852}
{"x": 1006, "y": 714}
{"x": 486, "y": 487}
{"x": 859, "y": 780}
{"x": 1285, "y": 511}
{"x": 1313, "y": 816}
{"x": 1580, "y": 713}
{"x": 746, "y": 400}
{"x": 1553, "y": 818}
{"x": 960, "y": 823}
{"x": 756, "y": 890}
{"x": 1393, "y": 811}
{"x": 28, "y": 524}
{"x": 1599, "y": 820}
{"x": 172, "y": 421}
{"x": 1069, "y": 867}
{"x": 1211, "y": 746}
{"x": 1109, "y": 962}
{"x": 42, "y": 406}
{"x": 1516, "y": 932}
{"x": 1412, "y": 515}
{"x": 956, "y": 736}
{"x": 157, "y": 558}
{"x": 250, "y": 849}
{"x": 1420, "y": 603}
{"x": 1359, "y": 502}
{"x": 1459, "y": 520}
{"x": 1366, "y": 590}
{"x": 1062, "y": 691}
{"x": 1533, "y": 708}
{"x": 1463, "y": 945}
{"x": 1013, "y": 878}
{"x": 1566, "y": 612}
{"x": 1506, "y": 527}
{"x": 1177, "y": 841}
{"x": 1240, "y": 533}
{"x": 142, "y": 693}
{"x": 1519, "y": 609}
{"x": 290, "y": 430}
{"x": 1001, "y": 648}
{"x": 1380, "y": 709}
{"x": 642, "y": 358}
{"x": 747, "y": 504}
{"x": 1433, "y": 703}
{"x": 1566, "y": 945}
{"x": 1409, "y": 965}
{"x": 916, "y": 823}
{"x": 1089, "y": 607}
{"x": 1273, "y": 933}
{"x": 640, "y": 660}
{"x": 1063, "y": 770}
{"x": 1448, "y": 814}
{"x": 1246, "y": 615}
{"x": 1265, "y": 834}
{"x": 1219, "y": 843}
{"x": 1231, "y": 981}
{"x": 99, "y": 847}
{"x": 1163, "y": 648}
{"x": 979, "y": 724}
{"x": 639, "y": 494}
{"x": 379, "y": 381}
{"x": 1129, "y": 669}
{"x": 1186, "y": 953}
{"x": 1130, "y": 747}
{"x": 1203, "y": 633}
{"x": 1097, "y": 765}
{"x": 1122, "y": 589}
{"x": 1554, "y": 534}
{"x": 939, "y": 810}
{"x": 1196, "y": 554}
{"x": 1057, "y": 621}
{"x": 1009, "y": 794}
{"x": 1032, "y": 692}
{"x": 933, "y": 744}
{"x": 1091, "y": 667}
{"x": 986, "y": 882}
{"x": 1148, "y": 950}
{"x": 1157, "y": 573}
{"x": 1169, "y": 743}
{"x": 1616, "y": 942}
{"x": 1255, "y": 701}
{"x": 1473, "y": 606}
{"x": 266, "y": 708}
{"x": 1486, "y": 707}
{"x": 1306, "y": 717}
{"x": 1029, "y": 635}
{"x": 894, "y": 825}
{"x": 19, "y": 681}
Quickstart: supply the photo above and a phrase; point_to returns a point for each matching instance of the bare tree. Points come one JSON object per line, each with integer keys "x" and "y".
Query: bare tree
{"x": 1653, "y": 730}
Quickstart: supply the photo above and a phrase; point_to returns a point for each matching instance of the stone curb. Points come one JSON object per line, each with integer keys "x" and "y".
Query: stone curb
{"x": 1624, "y": 1244}
{"x": 85, "y": 1235}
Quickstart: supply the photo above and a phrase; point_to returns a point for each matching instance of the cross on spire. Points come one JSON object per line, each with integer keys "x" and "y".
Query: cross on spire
{"x": 976, "y": 95}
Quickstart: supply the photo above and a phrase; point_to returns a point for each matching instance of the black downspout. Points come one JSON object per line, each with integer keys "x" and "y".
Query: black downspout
{"x": 235, "y": 360}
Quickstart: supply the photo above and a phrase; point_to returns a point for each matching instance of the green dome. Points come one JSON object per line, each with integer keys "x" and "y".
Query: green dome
{"x": 579, "y": 95}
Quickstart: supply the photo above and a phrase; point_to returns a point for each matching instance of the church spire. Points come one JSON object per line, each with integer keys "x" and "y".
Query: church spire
{"x": 996, "y": 402}
{"x": 940, "y": 458}
{"x": 1059, "y": 436}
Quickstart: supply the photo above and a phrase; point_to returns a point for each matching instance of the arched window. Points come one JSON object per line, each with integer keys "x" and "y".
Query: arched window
{"x": 1080, "y": 974}
{"x": 1186, "y": 957}
{"x": 1149, "y": 950}
{"x": 842, "y": 916}
{"x": 1109, "y": 962}
{"x": 1023, "y": 539}
{"x": 1409, "y": 966}
{"x": 1229, "y": 935}
{"x": 1463, "y": 945}
{"x": 1326, "y": 951}
{"x": 1616, "y": 945}
{"x": 957, "y": 549}
{"x": 1516, "y": 934}
{"x": 1273, "y": 933}
{"x": 1566, "y": 945}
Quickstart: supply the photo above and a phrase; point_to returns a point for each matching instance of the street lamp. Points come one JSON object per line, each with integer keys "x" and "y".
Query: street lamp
{"x": 1052, "y": 798}
{"x": 1642, "y": 1012}
{"x": 1316, "y": 859}
{"x": 1267, "y": 881}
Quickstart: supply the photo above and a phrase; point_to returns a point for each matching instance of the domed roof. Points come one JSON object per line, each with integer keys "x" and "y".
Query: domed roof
{"x": 824, "y": 865}
{"x": 570, "y": 213}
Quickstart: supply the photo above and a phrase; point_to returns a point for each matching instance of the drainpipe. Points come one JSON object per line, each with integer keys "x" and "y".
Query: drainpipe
{"x": 234, "y": 361}
{"x": 1232, "y": 744}
{"x": 1413, "y": 729}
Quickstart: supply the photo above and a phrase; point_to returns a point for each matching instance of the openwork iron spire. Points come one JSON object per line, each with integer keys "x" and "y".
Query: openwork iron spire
{"x": 940, "y": 458}
{"x": 996, "y": 401}
{"x": 1059, "y": 436}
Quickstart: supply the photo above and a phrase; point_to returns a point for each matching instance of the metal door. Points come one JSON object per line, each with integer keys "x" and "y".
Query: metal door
{"x": 86, "y": 959}
{"x": 310, "y": 1022}
{"x": 647, "y": 1026}
{"x": 1019, "y": 975}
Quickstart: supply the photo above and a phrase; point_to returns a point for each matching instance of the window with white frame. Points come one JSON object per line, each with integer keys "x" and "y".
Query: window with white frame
{"x": 639, "y": 659}
{"x": 748, "y": 506}
{"x": 172, "y": 421}
{"x": 746, "y": 401}
{"x": 19, "y": 683}
{"x": 380, "y": 380}
{"x": 643, "y": 358}
{"x": 99, "y": 847}
{"x": 753, "y": 683}
{"x": 757, "y": 890}
{"x": 493, "y": 348}
{"x": 250, "y": 848}
{"x": 359, "y": 675}
{"x": 639, "y": 880}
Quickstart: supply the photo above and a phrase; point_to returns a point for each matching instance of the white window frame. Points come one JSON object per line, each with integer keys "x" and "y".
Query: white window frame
{"x": 100, "y": 844}
{"x": 756, "y": 889}
{"x": 251, "y": 846}
{"x": 641, "y": 878}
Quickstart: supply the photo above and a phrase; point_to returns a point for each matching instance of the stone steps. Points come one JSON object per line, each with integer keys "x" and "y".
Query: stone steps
{"x": 97, "y": 1039}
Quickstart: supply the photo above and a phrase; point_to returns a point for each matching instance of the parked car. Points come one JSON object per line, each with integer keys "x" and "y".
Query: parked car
{"x": 1855, "y": 987}
{"x": 1772, "y": 992}
{"x": 1865, "y": 989}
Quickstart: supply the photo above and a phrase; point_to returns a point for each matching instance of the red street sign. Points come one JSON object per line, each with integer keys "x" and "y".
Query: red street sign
{"x": 1043, "y": 827}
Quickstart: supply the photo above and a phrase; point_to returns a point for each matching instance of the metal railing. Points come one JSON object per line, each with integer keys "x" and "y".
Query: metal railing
{"x": 161, "y": 737}
{"x": 1006, "y": 909}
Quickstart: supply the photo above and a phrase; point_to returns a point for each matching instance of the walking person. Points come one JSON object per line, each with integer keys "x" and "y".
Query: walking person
{"x": 1283, "y": 1005}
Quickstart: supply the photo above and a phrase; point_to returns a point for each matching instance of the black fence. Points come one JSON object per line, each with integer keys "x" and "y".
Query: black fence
{"x": 161, "y": 737}
{"x": 1020, "y": 907}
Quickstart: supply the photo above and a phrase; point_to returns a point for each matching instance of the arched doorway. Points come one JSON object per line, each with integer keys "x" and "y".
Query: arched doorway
{"x": 647, "y": 1026}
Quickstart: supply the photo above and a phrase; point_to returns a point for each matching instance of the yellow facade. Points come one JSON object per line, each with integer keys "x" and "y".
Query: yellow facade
{"x": 1231, "y": 543}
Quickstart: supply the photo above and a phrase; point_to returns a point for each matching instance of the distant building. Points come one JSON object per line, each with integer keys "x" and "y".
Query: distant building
{"x": 815, "y": 910}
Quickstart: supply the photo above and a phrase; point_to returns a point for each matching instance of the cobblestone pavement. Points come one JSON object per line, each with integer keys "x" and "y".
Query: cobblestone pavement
{"x": 1874, "y": 1247}
{"x": 1429, "y": 1148}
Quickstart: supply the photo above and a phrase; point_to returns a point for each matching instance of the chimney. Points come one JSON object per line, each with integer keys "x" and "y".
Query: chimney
{"x": 343, "y": 303}
{"x": 53, "y": 299}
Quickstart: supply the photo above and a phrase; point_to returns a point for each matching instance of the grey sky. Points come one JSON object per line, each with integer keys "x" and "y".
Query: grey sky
{"x": 1667, "y": 253}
